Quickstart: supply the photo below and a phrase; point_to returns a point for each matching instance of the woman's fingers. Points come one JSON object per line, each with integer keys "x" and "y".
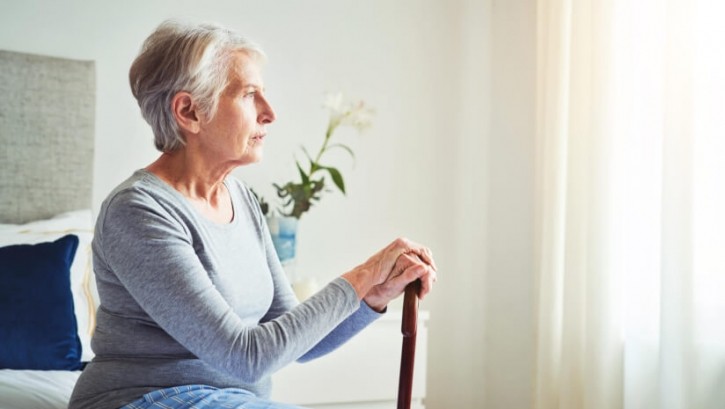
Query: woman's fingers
{"x": 404, "y": 261}
{"x": 410, "y": 268}
{"x": 426, "y": 282}
{"x": 407, "y": 268}
{"x": 424, "y": 253}
{"x": 427, "y": 276}
{"x": 392, "y": 268}
{"x": 404, "y": 246}
{"x": 428, "y": 258}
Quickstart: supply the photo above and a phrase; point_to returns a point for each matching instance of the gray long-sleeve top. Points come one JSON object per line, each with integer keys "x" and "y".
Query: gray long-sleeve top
{"x": 187, "y": 301}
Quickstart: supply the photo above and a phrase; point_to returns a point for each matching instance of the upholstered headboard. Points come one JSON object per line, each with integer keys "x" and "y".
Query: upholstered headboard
{"x": 47, "y": 113}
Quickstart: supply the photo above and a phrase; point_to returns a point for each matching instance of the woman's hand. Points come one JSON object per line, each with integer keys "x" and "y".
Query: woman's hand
{"x": 407, "y": 269}
{"x": 383, "y": 270}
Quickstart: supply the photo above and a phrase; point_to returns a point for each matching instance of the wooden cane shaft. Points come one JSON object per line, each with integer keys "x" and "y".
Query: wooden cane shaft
{"x": 407, "y": 360}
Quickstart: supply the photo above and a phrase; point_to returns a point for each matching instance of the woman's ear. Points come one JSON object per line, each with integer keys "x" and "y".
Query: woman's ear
{"x": 184, "y": 110}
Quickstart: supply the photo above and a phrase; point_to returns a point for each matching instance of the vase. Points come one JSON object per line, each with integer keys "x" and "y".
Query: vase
{"x": 283, "y": 230}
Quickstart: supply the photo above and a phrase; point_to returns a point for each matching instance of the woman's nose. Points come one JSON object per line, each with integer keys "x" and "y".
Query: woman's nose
{"x": 266, "y": 113}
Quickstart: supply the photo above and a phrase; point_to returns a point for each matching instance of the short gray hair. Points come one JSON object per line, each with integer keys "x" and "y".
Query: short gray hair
{"x": 187, "y": 57}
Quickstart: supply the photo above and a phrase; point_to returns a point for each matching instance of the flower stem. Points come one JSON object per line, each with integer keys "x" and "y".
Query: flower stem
{"x": 328, "y": 134}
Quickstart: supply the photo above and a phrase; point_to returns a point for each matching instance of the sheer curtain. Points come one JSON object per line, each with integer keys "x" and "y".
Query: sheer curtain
{"x": 630, "y": 219}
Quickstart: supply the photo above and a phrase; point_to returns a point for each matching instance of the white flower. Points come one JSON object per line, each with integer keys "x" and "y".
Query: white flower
{"x": 334, "y": 102}
{"x": 357, "y": 115}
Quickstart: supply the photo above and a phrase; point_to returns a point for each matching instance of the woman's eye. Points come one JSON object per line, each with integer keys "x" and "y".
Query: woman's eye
{"x": 250, "y": 94}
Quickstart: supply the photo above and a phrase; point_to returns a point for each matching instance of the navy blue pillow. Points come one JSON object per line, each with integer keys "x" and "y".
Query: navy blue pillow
{"x": 38, "y": 328}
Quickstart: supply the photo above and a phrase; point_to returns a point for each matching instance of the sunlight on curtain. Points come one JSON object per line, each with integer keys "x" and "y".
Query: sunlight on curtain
{"x": 709, "y": 204}
{"x": 631, "y": 204}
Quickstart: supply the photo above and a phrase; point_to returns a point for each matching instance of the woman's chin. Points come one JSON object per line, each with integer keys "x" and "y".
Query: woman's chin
{"x": 252, "y": 157}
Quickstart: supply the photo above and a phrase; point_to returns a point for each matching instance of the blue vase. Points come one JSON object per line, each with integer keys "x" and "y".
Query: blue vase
{"x": 284, "y": 236}
{"x": 283, "y": 230}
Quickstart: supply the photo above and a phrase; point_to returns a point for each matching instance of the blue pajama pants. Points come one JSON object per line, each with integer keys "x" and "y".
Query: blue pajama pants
{"x": 204, "y": 397}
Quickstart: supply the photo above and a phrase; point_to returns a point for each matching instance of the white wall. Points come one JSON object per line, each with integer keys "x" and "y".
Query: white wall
{"x": 458, "y": 334}
{"x": 509, "y": 299}
{"x": 375, "y": 51}
{"x": 489, "y": 349}
{"x": 447, "y": 162}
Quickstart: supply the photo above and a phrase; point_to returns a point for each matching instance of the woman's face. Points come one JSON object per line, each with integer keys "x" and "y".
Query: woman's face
{"x": 236, "y": 132}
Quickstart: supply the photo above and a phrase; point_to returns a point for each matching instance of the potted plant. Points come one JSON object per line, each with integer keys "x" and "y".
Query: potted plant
{"x": 314, "y": 175}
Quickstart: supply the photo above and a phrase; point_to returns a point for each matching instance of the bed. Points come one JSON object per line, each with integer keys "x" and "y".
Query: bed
{"x": 47, "y": 296}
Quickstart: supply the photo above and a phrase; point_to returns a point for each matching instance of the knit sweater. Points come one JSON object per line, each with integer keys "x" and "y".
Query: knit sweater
{"x": 184, "y": 300}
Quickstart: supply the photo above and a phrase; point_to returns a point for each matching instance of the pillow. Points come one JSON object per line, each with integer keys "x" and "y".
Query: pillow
{"x": 38, "y": 328}
{"x": 83, "y": 283}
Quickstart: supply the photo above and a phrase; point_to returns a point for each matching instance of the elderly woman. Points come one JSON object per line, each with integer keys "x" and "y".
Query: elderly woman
{"x": 195, "y": 307}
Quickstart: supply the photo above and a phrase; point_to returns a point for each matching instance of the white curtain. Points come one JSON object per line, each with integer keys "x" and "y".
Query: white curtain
{"x": 630, "y": 204}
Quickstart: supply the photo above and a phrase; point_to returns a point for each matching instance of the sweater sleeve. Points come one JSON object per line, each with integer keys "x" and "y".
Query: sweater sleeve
{"x": 153, "y": 257}
{"x": 285, "y": 299}
{"x": 350, "y": 327}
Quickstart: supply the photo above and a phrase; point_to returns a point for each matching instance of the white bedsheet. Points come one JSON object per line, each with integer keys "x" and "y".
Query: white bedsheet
{"x": 36, "y": 389}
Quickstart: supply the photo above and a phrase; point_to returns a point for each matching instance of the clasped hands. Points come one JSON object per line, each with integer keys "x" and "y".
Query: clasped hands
{"x": 384, "y": 276}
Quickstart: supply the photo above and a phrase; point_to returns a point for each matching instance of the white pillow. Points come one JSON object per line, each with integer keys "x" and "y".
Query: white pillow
{"x": 83, "y": 283}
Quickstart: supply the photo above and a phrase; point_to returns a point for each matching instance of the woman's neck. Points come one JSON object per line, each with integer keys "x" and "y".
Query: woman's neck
{"x": 200, "y": 183}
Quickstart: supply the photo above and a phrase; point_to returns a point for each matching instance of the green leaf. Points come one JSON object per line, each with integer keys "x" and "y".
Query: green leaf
{"x": 307, "y": 154}
{"x": 345, "y": 147}
{"x": 336, "y": 177}
{"x": 303, "y": 175}
{"x": 263, "y": 205}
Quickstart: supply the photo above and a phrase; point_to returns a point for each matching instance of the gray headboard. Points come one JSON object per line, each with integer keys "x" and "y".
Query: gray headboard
{"x": 47, "y": 111}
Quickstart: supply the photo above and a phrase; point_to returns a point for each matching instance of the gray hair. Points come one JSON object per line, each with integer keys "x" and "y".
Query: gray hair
{"x": 183, "y": 57}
